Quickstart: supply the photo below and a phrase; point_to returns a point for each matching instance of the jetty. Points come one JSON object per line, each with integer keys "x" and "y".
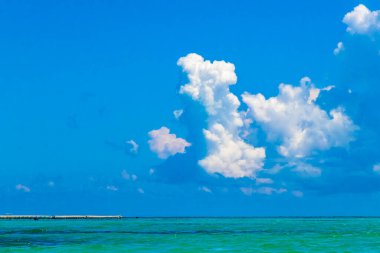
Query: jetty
{"x": 59, "y": 217}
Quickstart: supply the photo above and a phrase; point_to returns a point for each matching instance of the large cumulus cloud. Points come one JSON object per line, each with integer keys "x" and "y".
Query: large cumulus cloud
{"x": 361, "y": 20}
{"x": 228, "y": 154}
{"x": 295, "y": 120}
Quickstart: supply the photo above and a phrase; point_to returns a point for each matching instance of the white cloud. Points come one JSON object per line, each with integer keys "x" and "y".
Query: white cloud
{"x": 376, "y": 168}
{"x": 112, "y": 188}
{"x": 205, "y": 189}
{"x": 265, "y": 190}
{"x": 339, "y": 48}
{"x": 362, "y": 20}
{"x": 177, "y": 113}
{"x": 151, "y": 171}
{"x": 134, "y": 147}
{"x": 141, "y": 190}
{"x": 292, "y": 119}
{"x": 275, "y": 169}
{"x": 306, "y": 170}
{"x": 51, "y": 183}
{"x": 229, "y": 155}
{"x": 305, "y": 81}
{"x": 297, "y": 122}
{"x": 270, "y": 190}
{"x": 247, "y": 190}
{"x": 298, "y": 194}
{"x": 165, "y": 144}
{"x": 281, "y": 190}
{"x": 313, "y": 92}
{"x": 209, "y": 83}
{"x": 262, "y": 190}
{"x": 21, "y": 187}
{"x": 264, "y": 181}
{"x": 127, "y": 176}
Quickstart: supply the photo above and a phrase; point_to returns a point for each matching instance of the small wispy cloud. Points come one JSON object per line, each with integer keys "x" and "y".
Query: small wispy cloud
{"x": 134, "y": 147}
{"x": 112, "y": 188}
{"x": 262, "y": 190}
{"x": 376, "y": 168}
{"x": 204, "y": 189}
{"x": 339, "y": 48}
{"x": 247, "y": 190}
{"x": 270, "y": 190}
{"x": 21, "y": 187}
{"x": 177, "y": 113}
{"x": 127, "y": 176}
{"x": 306, "y": 170}
{"x": 298, "y": 194}
{"x": 264, "y": 181}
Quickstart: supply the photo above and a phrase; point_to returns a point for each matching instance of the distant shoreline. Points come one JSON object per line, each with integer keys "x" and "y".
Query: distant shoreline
{"x": 59, "y": 217}
{"x": 105, "y": 217}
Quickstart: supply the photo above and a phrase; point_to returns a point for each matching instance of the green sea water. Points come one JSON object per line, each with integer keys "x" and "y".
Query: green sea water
{"x": 192, "y": 235}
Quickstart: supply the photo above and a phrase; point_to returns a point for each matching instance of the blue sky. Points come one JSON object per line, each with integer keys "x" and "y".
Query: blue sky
{"x": 81, "y": 80}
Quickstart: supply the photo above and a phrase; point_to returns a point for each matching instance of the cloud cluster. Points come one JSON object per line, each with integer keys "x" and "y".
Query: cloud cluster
{"x": 127, "y": 176}
{"x": 165, "y": 144}
{"x": 300, "y": 125}
{"x": 228, "y": 153}
{"x": 361, "y": 20}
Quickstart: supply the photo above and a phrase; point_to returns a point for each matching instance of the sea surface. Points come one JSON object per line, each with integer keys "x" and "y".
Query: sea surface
{"x": 360, "y": 235}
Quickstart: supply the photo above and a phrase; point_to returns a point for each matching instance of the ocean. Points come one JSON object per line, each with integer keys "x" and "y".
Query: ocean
{"x": 360, "y": 235}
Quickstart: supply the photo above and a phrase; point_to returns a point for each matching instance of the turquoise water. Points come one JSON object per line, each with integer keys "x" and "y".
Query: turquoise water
{"x": 192, "y": 235}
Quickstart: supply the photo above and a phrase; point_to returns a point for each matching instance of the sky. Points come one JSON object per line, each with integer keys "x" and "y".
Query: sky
{"x": 190, "y": 108}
